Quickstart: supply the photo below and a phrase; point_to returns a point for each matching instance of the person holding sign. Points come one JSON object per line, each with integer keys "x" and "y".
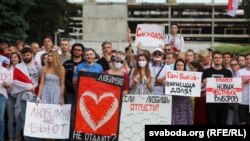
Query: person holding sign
{"x": 3, "y": 99}
{"x": 216, "y": 112}
{"x": 140, "y": 77}
{"x": 175, "y": 39}
{"x": 51, "y": 88}
{"x": 182, "y": 113}
{"x": 244, "y": 105}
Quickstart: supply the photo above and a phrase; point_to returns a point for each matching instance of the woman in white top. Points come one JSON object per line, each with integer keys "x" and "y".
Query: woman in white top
{"x": 175, "y": 39}
{"x": 140, "y": 78}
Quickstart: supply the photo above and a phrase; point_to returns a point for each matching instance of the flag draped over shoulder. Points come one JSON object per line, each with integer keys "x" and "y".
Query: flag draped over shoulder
{"x": 232, "y": 7}
{"x": 21, "y": 79}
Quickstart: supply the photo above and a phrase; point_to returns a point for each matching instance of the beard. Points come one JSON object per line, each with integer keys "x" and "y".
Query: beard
{"x": 27, "y": 60}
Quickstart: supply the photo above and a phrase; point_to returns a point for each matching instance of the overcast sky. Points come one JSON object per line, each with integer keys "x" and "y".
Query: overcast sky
{"x": 159, "y": 1}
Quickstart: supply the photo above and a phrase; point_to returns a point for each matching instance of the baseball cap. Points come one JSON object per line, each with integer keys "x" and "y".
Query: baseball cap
{"x": 158, "y": 49}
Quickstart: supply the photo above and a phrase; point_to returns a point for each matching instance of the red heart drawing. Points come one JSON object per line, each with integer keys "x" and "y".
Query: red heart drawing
{"x": 90, "y": 103}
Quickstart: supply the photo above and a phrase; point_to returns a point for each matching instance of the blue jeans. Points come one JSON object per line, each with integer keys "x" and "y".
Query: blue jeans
{"x": 11, "y": 118}
{"x": 21, "y": 119}
{"x": 3, "y": 101}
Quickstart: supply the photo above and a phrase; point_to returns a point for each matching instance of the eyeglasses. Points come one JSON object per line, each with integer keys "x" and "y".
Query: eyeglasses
{"x": 233, "y": 64}
{"x": 119, "y": 61}
{"x": 158, "y": 54}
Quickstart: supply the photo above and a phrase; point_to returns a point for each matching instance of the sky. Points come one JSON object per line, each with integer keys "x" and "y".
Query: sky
{"x": 159, "y": 1}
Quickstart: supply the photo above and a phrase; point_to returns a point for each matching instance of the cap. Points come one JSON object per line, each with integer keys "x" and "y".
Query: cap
{"x": 158, "y": 49}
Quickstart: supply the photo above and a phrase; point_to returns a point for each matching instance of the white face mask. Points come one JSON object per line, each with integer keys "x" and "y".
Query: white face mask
{"x": 157, "y": 58}
{"x": 142, "y": 63}
{"x": 118, "y": 65}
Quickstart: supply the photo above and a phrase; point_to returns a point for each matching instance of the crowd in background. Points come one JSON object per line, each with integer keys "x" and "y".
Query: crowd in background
{"x": 54, "y": 70}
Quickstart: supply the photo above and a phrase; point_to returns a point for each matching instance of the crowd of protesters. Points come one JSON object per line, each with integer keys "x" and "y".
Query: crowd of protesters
{"x": 54, "y": 70}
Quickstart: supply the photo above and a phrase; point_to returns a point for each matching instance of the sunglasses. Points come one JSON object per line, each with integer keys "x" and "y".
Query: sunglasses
{"x": 119, "y": 61}
{"x": 158, "y": 54}
{"x": 167, "y": 49}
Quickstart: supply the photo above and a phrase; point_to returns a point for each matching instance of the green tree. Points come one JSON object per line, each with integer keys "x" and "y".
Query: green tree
{"x": 46, "y": 17}
{"x": 12, "y": 24}
{"x": 246, "y": 5}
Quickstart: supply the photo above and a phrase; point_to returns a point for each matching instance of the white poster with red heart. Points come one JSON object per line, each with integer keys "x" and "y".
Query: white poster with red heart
{"x": 140, "y": 110}
{"x": 98, "y": 107}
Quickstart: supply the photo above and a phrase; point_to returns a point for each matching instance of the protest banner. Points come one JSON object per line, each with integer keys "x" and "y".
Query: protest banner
{"x": 6, "y": 76}
{"x": 183, "y": 83}
{"x": 98, "y": 107}
{"x": 140, "y": 110}
{"x": 223, "y": 90}
{"x": 47, "y": 120}
{"x": 150, "y": 35}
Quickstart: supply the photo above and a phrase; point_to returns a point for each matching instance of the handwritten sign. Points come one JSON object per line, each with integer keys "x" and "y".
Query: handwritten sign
{"x": 183, "y": 83}
{"x": 224, "y": 90}
{"x": 6, "y": 76}
{"x": 150, "y": 35}
{"x": 47, "y": 121}
{"x": 98, "y": 107}
{"x": 139, "y": 110}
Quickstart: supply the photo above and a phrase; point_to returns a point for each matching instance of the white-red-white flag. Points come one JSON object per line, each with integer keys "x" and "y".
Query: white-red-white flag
{"x": 232, "y": 7}
{"x": 21, "y": 79}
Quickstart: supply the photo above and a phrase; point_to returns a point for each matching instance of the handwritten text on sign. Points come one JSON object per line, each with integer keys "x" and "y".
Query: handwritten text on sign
{"x": 183, "y": 83}
{"x": 150, "y": 35}
{"x": 47, "y": 121}
{"x": 6, "y": 76}
{"x": 139, "y": 110}
{"x": 223, "y": 90}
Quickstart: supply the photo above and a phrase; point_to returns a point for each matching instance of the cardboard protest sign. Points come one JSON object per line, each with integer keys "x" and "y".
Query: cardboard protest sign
{"x": 183, "y": 83}
{"x": 139, "y": 110}
{"x": 98, "y": 107}
{"x": 224, "y": 90}
{"x": 6, "y": 76}
{"x": 150, "y": 35}
{"x": 47, "y": 120}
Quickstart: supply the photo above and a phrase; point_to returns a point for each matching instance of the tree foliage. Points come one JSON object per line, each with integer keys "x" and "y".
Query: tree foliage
{"x": 246, "y": 6}
{"x": 13, "y": 26}
{"x": 46, "y": 17}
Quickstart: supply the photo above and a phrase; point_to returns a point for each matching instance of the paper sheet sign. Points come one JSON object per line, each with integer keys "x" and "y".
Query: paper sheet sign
{"x": 223, "y": 90}
{"x": 47, "y": 120}
{"x": 183, "y": 83}
{"x": 150, "y": 35}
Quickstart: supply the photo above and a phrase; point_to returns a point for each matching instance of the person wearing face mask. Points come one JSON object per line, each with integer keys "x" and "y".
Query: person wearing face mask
{"x": 140, "y": 77}
{"x": 118, "y": 62}
{"x": 158, "y": 70}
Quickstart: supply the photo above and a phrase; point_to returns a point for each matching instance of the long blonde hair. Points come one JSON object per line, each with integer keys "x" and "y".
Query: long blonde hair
{"x": 138, "y": 68}
{"x": 56, "y": 64}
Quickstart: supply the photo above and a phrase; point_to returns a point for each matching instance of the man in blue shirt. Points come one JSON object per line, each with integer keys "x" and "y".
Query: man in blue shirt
{"x": 90, "y": 65}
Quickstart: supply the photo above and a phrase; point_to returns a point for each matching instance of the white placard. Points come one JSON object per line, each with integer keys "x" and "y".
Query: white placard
{"x": 224, "y": 90}
{"x": 140, "y": 110}
{"x": 183, "y": 83}
{"x": 47, "y": 120}
{"x": 6, "y": 76}
{"x": 150, "y": 35}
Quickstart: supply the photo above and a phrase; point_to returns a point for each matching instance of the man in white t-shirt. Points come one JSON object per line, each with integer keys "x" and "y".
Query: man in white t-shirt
{"x": 243, "y": 108}
{"x": 158, "y": 71}
{"x": 48, "y": 45}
